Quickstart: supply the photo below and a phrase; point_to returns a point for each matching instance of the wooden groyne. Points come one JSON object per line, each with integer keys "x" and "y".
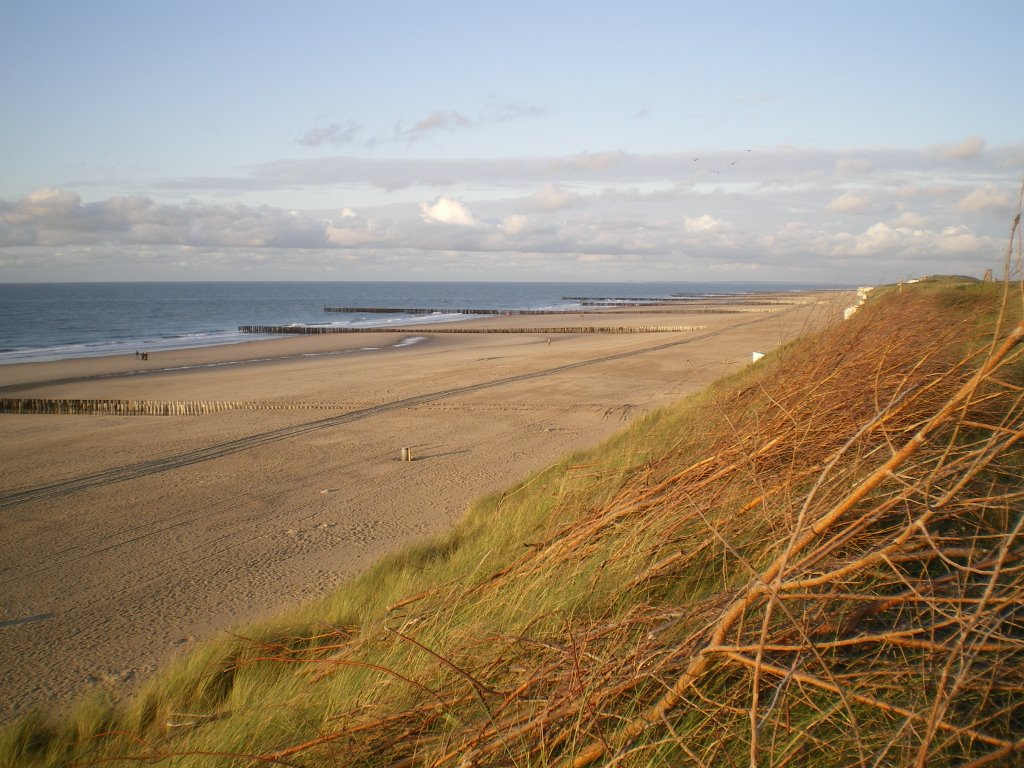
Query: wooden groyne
{"x": 427, "y": 311}
{"x": 319, "y": 329}
{"x": 599, "y": 303}
{"x": 112, "y": 407}
{"x": 676, "y": 301}
{"x": 87, "y": 407}
{"x": 661, "y": 308}
{"x": 675, "y": 309}
{"x": 616, "y": 299}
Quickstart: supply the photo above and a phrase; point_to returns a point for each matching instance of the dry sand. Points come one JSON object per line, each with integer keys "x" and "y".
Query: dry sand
{"x": 126, "y": 540}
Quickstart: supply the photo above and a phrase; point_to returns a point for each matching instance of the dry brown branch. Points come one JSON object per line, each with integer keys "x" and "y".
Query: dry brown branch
{"x": 771, "y": 574}
{"x": 871, "y": 701}
{"x": 824, "y": 571}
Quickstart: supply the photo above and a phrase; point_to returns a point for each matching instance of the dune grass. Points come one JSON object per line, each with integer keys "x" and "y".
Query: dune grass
{"x": 817, "y": 561}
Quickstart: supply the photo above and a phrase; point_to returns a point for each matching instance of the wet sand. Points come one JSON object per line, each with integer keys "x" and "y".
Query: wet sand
{"x": 128, "y": 539}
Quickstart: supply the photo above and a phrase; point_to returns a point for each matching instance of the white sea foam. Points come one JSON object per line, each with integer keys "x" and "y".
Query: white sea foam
{"x": 409, "y": 341}
{"x": 67, "y": 320}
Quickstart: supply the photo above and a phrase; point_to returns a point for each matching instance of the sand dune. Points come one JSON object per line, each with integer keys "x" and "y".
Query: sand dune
{"x": 127, "y": 539}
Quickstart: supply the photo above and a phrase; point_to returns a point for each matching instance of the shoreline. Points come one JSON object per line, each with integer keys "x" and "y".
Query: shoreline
{"x": 130, "y": 539}
{"x": 181, "y": 360}
{"x": 152, "y": 339}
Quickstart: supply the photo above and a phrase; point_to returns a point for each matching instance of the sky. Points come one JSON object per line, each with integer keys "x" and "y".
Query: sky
{"x": 849, "y": 143}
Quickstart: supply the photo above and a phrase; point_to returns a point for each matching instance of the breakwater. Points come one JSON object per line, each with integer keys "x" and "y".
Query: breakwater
{"x": 608, "y": 308}
{"x": 617, "y": 299}
{"x": 662, "y": 309}
{"x": 428, "y": 311}
{"x": 97, "y": 407}
{"x": 645, "y": 304}
{"x": 677, "y": 301}
{"x": 318, "y": 329}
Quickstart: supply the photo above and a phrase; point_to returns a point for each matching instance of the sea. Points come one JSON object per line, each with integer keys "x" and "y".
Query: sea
{"x": 55, "y": 321}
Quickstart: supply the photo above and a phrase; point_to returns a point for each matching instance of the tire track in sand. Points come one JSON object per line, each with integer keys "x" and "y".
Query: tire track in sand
{"x": 209, "y": 453}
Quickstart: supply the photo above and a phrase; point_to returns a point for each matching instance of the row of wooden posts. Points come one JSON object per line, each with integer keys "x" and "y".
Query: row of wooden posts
{"x": 609, "y": 309}
{"x": 317, "y": 329}
{"x": 37, "y": 405}
{"x": 603, "y": 301}
{"x": 427, "y": 311}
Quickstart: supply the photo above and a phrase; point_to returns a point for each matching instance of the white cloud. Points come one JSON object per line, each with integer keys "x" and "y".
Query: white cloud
{"x": 781, "y": 168}
{"x": 508, "y": 112}
{"x": 590, "y": 161}
{"x": 447, "y": 211}
{"x": 55, "y": 217}
{"x": 967, "y": 149}
{"x": 705, "y": 223}
{"x": 514, "y": 224}
{"x": 43, "y": 205}
{"x": 438, "y": 120}
{"x": 960, "y": 239}
{"x": 332, "y": 133}
{"x": 853, "y": 166}
{"x": 849, "y": 202}
{"x": 987, "y": 198}
{"x": 881, "y": 240}
{"x": 550, "y": 197}
{"x": 51, "y": 197}
{"x": 519, "y": 211}
{"x": 450, "y": 120}
{"x": 881, "y": 236}
{"x": 909, "y": 219}
{"x": 352, "y": 232}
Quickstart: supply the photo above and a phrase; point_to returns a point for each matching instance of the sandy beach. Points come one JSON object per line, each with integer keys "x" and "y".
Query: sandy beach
{"x": 128, "y": 539}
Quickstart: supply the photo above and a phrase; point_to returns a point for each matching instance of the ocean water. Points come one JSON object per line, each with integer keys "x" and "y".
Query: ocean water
{"x": 54, "y": 321}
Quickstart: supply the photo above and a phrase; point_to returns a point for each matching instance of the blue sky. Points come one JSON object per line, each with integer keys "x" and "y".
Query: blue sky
{"x": 855, "y": 142}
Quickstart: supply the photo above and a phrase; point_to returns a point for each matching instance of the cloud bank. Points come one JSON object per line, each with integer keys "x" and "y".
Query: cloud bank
{"x": 405, "y": 130}
{"x": 854, "y": 215}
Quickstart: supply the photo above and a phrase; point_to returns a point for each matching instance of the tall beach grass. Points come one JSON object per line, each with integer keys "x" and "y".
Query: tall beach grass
{"x": 818, "y": 561}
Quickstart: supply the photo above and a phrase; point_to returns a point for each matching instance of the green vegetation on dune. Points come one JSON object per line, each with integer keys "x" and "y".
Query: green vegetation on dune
{"x": 817, "y": 561}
